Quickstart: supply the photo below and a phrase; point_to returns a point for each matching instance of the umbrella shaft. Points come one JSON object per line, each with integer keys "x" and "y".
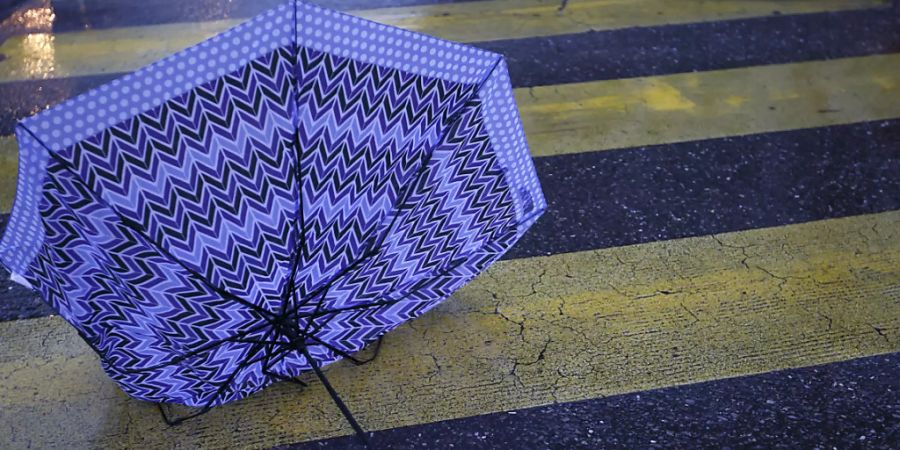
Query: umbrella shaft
{"x": 337, "y": 399}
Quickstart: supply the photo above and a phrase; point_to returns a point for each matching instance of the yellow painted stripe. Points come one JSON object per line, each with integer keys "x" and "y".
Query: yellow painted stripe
{"x": 632, "y": 112}
{"x": 87, "y": 52}
{"x": 604, "y": 115}
{"x": 525, "y": 333}
{"x": 9, "y": 166}
{"x": 510, "y": 19}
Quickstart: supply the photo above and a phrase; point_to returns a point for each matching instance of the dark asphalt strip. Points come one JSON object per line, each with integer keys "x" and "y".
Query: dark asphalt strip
{"x": 645, "y": 194}
{"x": 606, "y": 55}
{"x": 852, "y": 404}
{"x": 22, "y": 99}
{"x": 694, "y": 47}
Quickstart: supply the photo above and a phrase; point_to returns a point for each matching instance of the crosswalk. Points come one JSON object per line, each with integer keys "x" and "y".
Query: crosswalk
{"x": 530, "y": 331}
{"x": 733, "y": 220}
{"x": 612, "y": 114}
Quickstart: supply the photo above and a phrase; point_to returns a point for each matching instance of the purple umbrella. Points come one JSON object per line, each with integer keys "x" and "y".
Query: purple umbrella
{"x": 268, "y": 201}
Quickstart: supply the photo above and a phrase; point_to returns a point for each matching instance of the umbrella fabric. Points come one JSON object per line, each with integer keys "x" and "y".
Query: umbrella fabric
{"x": 268, "y": 201}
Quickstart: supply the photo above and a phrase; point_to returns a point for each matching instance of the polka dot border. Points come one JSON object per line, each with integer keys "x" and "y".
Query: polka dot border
{"x": 311, "y": 26}
{"x": 92, "y": 112}
{"x": 501, "y": 117}
{"x": 371, "y": 42}
{"x": 25, "y": 231}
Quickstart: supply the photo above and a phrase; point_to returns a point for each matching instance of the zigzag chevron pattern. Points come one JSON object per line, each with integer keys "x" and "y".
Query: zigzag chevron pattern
{"x": 209, "y": 176}
{"x": 304, "y": 196}
{"x": 364, "y": 130}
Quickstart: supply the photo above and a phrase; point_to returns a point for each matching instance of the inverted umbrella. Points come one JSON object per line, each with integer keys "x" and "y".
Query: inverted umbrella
{"x": 268, "y": 201}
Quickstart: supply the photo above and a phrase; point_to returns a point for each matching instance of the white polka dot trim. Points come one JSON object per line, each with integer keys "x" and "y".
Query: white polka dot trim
{"x": 363, "y": 40}
{"x": 501, "y": 117}
{"x": 153, "y": 85}
{"x": 310, "y": 26}
{"x": 25, "y": 232}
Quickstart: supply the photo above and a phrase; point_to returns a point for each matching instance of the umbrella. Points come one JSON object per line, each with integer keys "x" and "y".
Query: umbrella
{"x": 268, "y": 201}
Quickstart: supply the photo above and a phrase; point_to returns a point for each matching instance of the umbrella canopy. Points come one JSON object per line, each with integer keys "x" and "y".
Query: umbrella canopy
{"x": 268, "y": 201}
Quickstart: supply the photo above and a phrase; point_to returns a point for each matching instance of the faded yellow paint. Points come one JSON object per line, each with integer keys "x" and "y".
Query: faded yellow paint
{"x": 43, "y": 55}
{"x": 602, "y": 115}
{"x": 9, "y": 167}
{"x": 885, "y": 82}
{"x": 527, "y": 332}
{"x": 735, "y": 100}
{"x": 653, "y": 93}
{"x": 661, "y": 96}
{"x": 508, "y": 19}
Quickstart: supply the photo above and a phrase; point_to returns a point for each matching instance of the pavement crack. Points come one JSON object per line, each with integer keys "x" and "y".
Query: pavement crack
{"x": 521, "y": 323}
{"x": 742, "y": 248}
{"x": 618, "y": 291}
{"x": 880, "y": 332}
{"x": 781, "y": 280}
{"x": 554, "y": 390}
{"x": 696, "y": 319}
{"x": 540, "y": 356}
{"x": 875, "y": 229}
{"x": 537, "y": 282}
{"x": 628, "y": 264}
{"x": 578, "y": 331}
{"x": 437, "y": 367}
{"x": 516, "y": 363}
{"x": 46, "y": 337}
{"x": 657, "y": 293}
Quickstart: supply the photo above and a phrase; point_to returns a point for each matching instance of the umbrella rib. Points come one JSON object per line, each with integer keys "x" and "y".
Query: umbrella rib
{"x": 218, "y": 393}
{"x": 237, "y": 338}
{"x": 399, "y": 204}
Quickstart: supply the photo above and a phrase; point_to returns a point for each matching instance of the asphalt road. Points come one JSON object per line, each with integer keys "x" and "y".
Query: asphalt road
{"x": 719, "y": 265}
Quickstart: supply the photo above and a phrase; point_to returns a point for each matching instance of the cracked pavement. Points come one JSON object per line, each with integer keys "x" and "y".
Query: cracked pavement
{"x": 694, "y": 233}
{"x": 533, "y": 331}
